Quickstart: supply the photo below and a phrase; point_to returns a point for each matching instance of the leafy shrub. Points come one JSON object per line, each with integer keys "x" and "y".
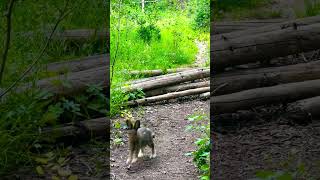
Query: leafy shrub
{"x": 202, "y": 14}
{"x": 149, "y": 32}
{"x": 201, "y": 156}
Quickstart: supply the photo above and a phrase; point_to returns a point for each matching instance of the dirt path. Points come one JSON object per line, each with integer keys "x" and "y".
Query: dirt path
{"x": 203, "y": 55}
{"x": 268, "y": 144}
{"x": 172, "y": 143}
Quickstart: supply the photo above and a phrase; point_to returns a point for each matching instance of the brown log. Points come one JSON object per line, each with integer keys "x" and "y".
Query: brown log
{"x": 162, "y": 76}
{"x": 180, "y": 87}
{"x": 72, "y": 83}
{"x": 80, "y": 64}
{"x": 262, "y": 29}
{"x": 168, "y": 96}
{"x": 168, "y": 80}
{"x": 205, "y": 95}
{"x": 231, "y": 26}
{"x": 267, "y": 95}
{"x": 249, "y": 79}
{"x": 158, "y": 72}
{"x": 79, "y": 35}
{"x": 76, "y": 133}
{"x": 303, "y": 111}
{"x": 265, "y": 46}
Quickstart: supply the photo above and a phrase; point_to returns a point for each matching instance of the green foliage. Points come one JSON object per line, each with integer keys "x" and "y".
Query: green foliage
{"x": 149, "y": 32}
{"x": 201, "y": 10}
{"x": 201, "y": 156}
{"x": 312, "y": 8}
{"x": 24, "y": 115}
{"x": 161, "y": 37}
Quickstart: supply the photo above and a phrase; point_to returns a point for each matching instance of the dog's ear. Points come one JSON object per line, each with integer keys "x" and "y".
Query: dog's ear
{"x": 137, "y": 124}
{"x": 129, "y": 124}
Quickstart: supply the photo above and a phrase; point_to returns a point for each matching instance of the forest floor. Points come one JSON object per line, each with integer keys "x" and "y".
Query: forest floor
{"x": 271, "y": 145}
{"x": 172, "y": 142}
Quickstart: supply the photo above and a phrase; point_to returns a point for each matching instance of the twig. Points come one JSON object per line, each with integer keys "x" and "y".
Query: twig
{"x": 219, "y": 87}
{"x": 304, "y": 57}
{"x": 63, "y": 14}
{"x": 8, "y": 16}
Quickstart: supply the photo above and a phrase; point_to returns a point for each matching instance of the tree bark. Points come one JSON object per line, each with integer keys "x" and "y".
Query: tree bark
{"x": 267, "y": 28}
{"x": 249, "y": 79}
{"x": 79, "y": 64}
{"x": 264, "y": 46}
{"x": 162, "y": 76}
{"x": 180, "y": 87}
{"x": 262, "y": 96}
{"x": 168, "y": 96}
{"x": 158, "y": 72}
{"x": 73, "y": 83}
{"x": 69, "y": 133}
{"x": 231, "y": 26}
{"x": 171, "y": 79}
{"x": 303, "y": 111}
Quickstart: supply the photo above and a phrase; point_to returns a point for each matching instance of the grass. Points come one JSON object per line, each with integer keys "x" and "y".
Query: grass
{"x": 24, "y": 115}
{"x": 172, "y": 45}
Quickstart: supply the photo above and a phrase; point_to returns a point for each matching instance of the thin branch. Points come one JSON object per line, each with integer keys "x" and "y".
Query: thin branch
{"x": 8, "y": 16}
{"x": 62, "y": 15}
{"x": 117, "y": 45}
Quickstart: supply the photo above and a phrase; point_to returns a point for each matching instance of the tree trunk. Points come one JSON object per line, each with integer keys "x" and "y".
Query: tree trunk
{"x": 180, "y": 87}
{"x": 168, "y": 96}
{"x": 263, "y": 29}
{"x": 162, "y": 76}
{"x": 73, "y": 83}
{"x": 265, "y": 46}
{"x": 169, "y": 80}
{"x": 79, "y": 64}
{"x": 249, "y": 79}
{"x": 158, "y": 72}
{"x": 231, "y": 26}
{"x": 205, "y": 95}
{"x": 267, "y": 95}
{"x": 303, "y": 111}
{"x": 80, "y": 35}
{"x": 69, "y": 133}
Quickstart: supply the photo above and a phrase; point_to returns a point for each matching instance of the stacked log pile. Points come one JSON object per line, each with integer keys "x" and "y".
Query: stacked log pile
{"x": 296, "y": 85}
{"x": 72, "y": 77}
{"x": 185, "y": 82}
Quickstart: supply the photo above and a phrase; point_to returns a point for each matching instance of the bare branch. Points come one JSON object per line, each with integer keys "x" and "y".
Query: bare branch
{"x": 8, "y": 15}
{"x": 117, "y": 45}
{"x": 62, "y": 15}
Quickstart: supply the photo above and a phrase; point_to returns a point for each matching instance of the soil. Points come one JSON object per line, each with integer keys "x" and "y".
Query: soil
{"x": 272, "y": 146}
{"x": 172, "y": 142}
{"x": 203, "y": 55}
{"x": 270, "y": 143}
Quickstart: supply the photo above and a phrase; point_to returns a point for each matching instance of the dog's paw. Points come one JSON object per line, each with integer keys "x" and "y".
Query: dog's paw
{"x": 128, "y": 161}
{"x": 134, "y": 160}
{"x": 153, "y": 155}
{"x": 140, "y": 154}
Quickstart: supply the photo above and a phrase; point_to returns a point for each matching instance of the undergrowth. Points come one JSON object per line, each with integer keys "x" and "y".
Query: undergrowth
{"x": 23, "y": 116}
{"x": 200, "y": 123}
{"x": 159, "y": 38}
{"x": 312, "y": 8}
